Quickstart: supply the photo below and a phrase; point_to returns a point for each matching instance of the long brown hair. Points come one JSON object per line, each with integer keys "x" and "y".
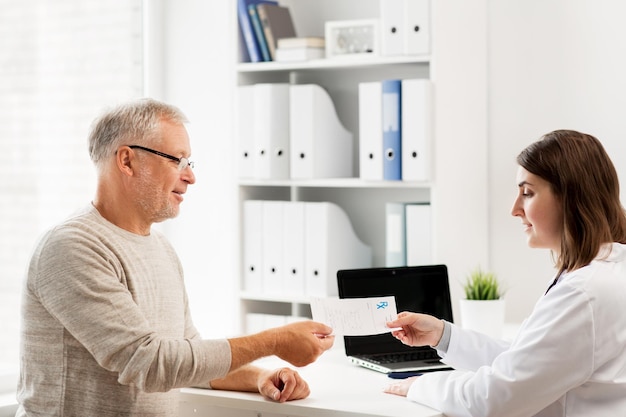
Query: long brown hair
{"x": 584, "y": 179}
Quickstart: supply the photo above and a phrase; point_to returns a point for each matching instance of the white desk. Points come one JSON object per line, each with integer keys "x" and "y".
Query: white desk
{"x": 338, "y": 389}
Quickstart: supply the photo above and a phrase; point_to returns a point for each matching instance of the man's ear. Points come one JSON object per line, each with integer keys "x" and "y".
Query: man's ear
{"x": 124, "y": 159}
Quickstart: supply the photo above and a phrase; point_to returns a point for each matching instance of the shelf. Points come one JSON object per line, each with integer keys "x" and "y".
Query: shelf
{"x": 334, "y": 183}
{"x": 333, "y": 63}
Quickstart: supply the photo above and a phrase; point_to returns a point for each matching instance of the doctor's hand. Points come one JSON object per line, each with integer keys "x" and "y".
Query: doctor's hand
{"x": 400, "y": 388}
{"x": 417, "y": 329}
{"x": 282, "y": 385}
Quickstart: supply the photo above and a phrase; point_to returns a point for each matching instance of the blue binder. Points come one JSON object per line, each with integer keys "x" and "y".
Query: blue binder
{"x": 392, "y": 129}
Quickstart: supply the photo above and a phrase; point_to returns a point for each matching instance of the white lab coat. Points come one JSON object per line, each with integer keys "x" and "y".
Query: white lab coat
{"x": 568, "y": 359}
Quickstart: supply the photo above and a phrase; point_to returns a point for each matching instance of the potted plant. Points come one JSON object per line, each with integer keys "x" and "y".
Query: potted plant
{"x": 482, "y": 309}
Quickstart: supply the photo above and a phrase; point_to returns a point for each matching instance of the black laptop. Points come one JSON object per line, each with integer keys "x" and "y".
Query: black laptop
{"x": 420, "y": 289}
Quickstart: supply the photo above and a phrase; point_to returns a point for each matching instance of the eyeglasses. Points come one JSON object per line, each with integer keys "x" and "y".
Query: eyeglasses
{"x": 182, "y": 162}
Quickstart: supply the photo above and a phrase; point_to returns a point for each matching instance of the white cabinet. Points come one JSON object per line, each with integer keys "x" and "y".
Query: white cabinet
{"x": 457, "y": 191}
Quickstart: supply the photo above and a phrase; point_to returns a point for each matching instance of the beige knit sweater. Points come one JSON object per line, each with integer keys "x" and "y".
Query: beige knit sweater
{"x": 106, "y": 329}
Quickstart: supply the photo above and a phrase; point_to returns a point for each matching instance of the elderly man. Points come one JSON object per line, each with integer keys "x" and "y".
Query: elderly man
{"x": 106, "y": 329}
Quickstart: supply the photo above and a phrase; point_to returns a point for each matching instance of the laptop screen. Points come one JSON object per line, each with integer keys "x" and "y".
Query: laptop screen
{"x": 419, "y": 289}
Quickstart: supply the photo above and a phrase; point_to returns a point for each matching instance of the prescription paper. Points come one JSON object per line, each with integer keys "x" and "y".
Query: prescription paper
{"x": 355, "y": 316}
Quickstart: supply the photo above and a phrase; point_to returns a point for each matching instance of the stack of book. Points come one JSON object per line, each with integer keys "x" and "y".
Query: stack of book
{"x": 262, "y": 24}
{"x": 300, "y": 49}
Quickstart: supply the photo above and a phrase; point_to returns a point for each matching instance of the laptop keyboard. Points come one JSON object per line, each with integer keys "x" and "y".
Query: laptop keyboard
{"x": 419, "y": 355}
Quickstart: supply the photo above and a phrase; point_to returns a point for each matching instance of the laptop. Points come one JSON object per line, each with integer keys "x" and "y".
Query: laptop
{"x": 419, "y": 289}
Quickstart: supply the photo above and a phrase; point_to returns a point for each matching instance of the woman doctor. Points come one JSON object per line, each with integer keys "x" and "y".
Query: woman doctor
{"x": 569, "y": 357}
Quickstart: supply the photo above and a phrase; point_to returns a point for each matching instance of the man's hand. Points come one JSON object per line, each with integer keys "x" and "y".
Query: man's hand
{"x": 301, "y": 343}
{"x": 282, "y": 385}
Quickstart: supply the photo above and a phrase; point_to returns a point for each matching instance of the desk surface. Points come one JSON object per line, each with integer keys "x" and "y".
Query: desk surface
{"x": 338, "y": 388}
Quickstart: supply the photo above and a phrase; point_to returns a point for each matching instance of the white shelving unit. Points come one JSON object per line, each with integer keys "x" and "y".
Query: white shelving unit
{"x": 457, "y": 191}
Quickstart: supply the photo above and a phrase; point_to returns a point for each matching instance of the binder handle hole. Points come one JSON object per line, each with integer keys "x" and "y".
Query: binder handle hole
{"x": 293, "y": 271}
{"x": 273, "y": 269}
{"x": 279, "y": 152}
{"x": 245, "y": 154}
{"x": 262, "y": 151}
{"x": 315, "y": 272}
{"x": 301, "y": 155}
{"x": 416, "y": 29}
{"x": 252, "y": 269}
{"x": 414, "y": 154}
{"x": 371, "y": 156}
{"x": 389, "y": 154}
{"x": 393, "y": 29}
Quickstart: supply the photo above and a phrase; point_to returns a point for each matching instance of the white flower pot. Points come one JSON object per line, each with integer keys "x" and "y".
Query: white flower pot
{"x": 485, "y": 316}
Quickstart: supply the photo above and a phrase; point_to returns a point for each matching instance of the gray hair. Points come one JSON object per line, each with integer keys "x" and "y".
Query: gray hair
{"x": 132, "y": 123}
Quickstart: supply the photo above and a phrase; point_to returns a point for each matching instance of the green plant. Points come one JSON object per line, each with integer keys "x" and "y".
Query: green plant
{"x": 482, "y": 286}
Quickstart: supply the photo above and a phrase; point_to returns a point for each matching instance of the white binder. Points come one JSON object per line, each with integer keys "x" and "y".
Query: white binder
{"x": 416, "y": 129}
{"x": 293, "y": 248}
{"x": 395, "y": 234}
{"x": 392, "y": 27}
{"x": 416, "y": 27}
{"x": 273, "y": 247}
{"x": 245, "y": 131}
{"x": 370, "y": 131}
{"x": 330, "y": 245}
{"x": 271, "y": 127}
{"x": 320, "y": 146}
{"x": 257, "y": 322}
{"x": 253, "y": 245}
{"x": 418, "y": 234}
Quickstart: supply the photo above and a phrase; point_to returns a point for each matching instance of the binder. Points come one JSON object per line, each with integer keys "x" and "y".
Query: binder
{"x": 330, "y": 245}
{"x": 392, "y": 129}
{"x": 277, "y": 23}
{"x": 293, "y": 247}
{"x": 253, "y": 245}
{"x": 370, "y": 131}
{"x": 247, "y": 31}
{"x": 257, "y": 322}
{"x": 416, "y": 27}
{"x": 395, "y": 234}
{"x": 271, "y": 127}
{"x": 258, "y": 32}
{"x": 392, "y": 27}
{"x": 418, "y": 234}
{"x": 416, "y": 129}
{"x": 272, "y": 238}
{"x": 320, "y": 146}
{"x": 245, "y": 131}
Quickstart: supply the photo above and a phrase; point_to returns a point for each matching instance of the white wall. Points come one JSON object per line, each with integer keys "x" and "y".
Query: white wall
{"x": 198, "y": 76}
{"x": 556, "y": 64}
{"x": 552, "y": 64}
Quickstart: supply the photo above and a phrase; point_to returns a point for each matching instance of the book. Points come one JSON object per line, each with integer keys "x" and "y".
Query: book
{"x": 277, "y": 23}
{"x": 247, "y": 30}
{"x": 307, "y": 42}
{"x": 258, "y": 32}
{"x": 299, "y": 54}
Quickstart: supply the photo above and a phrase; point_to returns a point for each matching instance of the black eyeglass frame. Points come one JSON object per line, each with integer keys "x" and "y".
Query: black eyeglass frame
{"x": 182, "y": 162}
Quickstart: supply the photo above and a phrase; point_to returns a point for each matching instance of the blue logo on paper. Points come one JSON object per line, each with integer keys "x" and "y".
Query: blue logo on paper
{"x": 382, "y": 304}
